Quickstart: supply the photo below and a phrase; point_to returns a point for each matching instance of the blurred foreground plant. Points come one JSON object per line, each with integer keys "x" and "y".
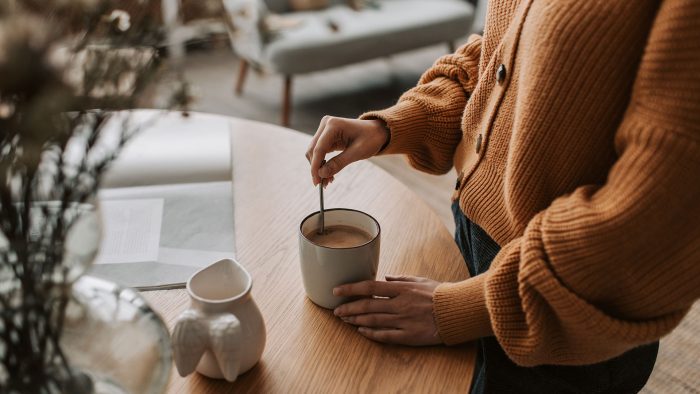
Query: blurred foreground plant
{"x": 69, "y": 72}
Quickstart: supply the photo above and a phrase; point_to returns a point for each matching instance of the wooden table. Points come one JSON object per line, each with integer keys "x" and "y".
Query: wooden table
{"x": 308, "y": 349}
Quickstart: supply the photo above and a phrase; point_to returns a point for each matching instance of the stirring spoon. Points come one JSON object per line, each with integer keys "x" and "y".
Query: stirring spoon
{"x": 322, "y": 227}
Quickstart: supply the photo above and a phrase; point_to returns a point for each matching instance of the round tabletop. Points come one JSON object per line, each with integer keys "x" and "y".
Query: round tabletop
{"x": 308, "y": 349}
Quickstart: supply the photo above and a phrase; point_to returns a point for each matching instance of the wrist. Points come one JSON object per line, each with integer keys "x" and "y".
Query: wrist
{"x": 384, "y": 131}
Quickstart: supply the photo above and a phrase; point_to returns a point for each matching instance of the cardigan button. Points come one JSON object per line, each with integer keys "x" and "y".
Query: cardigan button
{"x": 501, "y": 74}
{"x": 459, "y": 180}
{"x": 479, "y": 140}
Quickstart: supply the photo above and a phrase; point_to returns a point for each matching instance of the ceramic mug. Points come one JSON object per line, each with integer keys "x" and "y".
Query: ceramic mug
{"x": 323, "y": 268}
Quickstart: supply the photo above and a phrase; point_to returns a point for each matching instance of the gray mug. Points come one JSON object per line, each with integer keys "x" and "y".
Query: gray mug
{"x": 323, "y": 268}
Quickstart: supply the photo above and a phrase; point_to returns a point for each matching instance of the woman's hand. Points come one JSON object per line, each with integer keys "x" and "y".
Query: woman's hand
{"x": 357, "y": 139}
{"x": 398, "y": 311}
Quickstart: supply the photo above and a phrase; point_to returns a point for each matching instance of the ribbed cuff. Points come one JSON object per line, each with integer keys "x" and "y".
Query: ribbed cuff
{"x": 460, "y": 310}
{"x": 405, "y": 121}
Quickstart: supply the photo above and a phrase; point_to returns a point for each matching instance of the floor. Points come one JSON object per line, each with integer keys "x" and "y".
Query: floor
{"x": 348, "y": 92}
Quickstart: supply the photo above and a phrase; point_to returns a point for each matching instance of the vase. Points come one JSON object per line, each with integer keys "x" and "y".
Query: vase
{"x": 108, "y": 340}
{"x": 113, "y": 337}
{"x": 110, "y": 334}
{"x": 222, "y": 334}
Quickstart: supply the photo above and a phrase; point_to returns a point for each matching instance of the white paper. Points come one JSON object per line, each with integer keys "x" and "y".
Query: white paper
{"x": 131, "y": 230}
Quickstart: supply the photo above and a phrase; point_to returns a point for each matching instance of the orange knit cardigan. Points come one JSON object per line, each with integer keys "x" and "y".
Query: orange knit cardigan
{"x": 575, "y": 127}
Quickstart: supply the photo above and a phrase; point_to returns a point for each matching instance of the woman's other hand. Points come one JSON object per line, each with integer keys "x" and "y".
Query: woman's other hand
{"x": 356, "y": 139}
{"x": 398, "y": 311}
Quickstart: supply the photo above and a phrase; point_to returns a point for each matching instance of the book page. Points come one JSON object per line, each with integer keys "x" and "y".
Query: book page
{"x": 131, "y": 230}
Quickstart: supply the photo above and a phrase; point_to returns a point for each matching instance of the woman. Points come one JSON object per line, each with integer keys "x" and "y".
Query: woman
{"x": 574, "y": 127}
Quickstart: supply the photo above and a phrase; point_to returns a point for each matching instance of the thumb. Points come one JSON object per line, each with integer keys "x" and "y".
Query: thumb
{"x": 334, "y": 165}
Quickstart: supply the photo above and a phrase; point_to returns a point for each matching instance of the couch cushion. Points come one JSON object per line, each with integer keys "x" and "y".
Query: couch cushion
{"x": 395, "y": 26}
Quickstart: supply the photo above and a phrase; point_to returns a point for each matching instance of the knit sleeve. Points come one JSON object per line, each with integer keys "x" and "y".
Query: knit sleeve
{"x": 425, "y": 123}
{"x": 613, "y": 266}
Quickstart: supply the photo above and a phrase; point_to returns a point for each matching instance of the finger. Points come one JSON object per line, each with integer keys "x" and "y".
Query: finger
{"x": 327, "y": 181}
{"x": 383, "y": 335}
{"x": 325, "y": 144}
{"x": 334, "y": 165}
{"x": 403, "y": 278}
{"x": 365, "y": 305}
{"x": 368, "y": 288}
{"x": 313, "y": 155}
{"x": 375, "y": 320}
{"x": 312, "y": 144}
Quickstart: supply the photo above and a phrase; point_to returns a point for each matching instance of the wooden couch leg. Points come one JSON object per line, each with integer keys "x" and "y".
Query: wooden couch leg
{"x": 286, "y": 100}
{"x": 242, "y": 72}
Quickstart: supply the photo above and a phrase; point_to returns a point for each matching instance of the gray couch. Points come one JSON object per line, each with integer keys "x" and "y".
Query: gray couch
{"x": 338, "y": 35}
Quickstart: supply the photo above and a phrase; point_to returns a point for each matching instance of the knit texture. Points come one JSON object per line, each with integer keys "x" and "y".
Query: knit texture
{"x": 581, "y": 158}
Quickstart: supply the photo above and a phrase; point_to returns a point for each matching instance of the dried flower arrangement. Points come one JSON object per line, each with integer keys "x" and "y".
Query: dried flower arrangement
{"x": 68, "y": 69}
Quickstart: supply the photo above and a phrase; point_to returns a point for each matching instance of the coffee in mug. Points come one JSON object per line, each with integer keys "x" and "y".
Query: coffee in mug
{"x": 339, "y": 236}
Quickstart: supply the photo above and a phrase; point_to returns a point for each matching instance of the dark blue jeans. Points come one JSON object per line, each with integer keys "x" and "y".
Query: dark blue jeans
{"x": 496, "y": 373}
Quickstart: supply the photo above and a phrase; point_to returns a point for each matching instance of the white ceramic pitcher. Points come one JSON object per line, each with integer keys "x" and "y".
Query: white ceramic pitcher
{"x": 222, "y": 334}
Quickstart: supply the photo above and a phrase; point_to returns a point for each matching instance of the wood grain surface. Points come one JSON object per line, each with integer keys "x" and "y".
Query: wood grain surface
{"x": 309, "y": 350}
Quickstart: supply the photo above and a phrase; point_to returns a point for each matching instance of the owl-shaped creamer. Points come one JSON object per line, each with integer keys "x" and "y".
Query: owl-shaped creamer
{"x": 222, "y": 334}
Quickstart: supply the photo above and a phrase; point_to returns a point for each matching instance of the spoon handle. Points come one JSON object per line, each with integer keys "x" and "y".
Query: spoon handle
{"x": 322, "y": 227}
{"x": 321, "y": 216}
